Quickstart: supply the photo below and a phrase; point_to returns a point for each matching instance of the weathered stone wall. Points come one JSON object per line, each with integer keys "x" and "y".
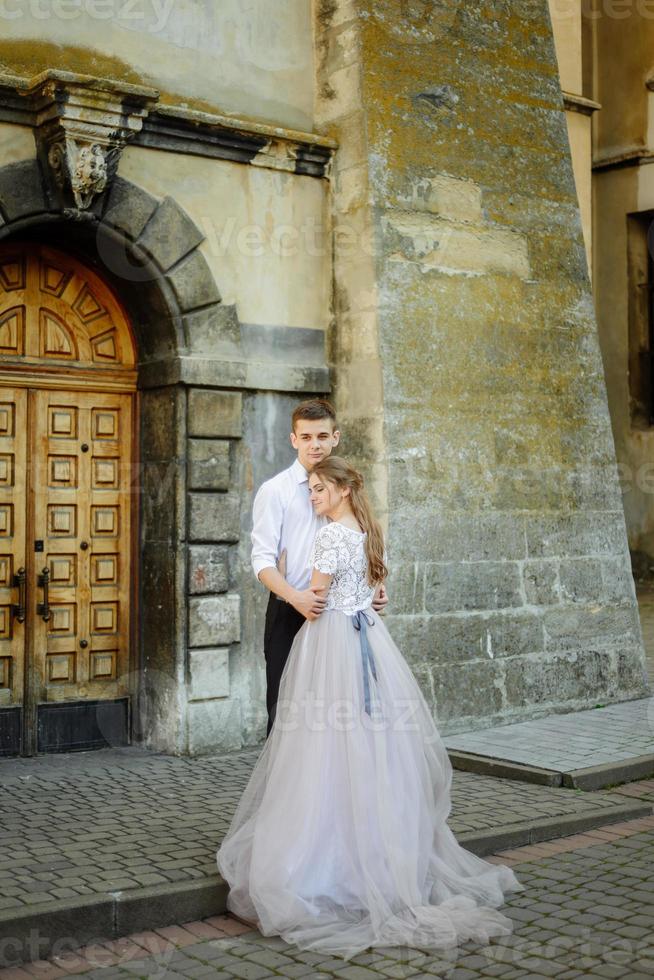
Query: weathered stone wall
{"x": 266, "y": 233}
{"x": 511, "y": 584}
{"x": 247, "y": 58}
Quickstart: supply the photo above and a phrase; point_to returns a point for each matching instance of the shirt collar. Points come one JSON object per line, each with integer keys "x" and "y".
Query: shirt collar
{"x": 299, "y": 472}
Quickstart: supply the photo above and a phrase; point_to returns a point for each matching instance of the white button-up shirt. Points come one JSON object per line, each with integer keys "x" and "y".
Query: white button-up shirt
{"x": 284, "y": 521}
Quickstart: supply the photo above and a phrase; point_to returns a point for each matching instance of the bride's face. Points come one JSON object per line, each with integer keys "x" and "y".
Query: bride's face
{"x": 326, "y": 497}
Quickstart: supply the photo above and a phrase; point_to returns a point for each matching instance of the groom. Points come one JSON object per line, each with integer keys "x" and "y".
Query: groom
{"x": 283, "y": 532}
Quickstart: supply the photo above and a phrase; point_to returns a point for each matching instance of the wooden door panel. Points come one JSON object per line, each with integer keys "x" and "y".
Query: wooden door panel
{"x": 52, "y": 308}
{"x": 67, "y": 377}
{"x": 82, "y": 452}
{"x": 13, "y": 471}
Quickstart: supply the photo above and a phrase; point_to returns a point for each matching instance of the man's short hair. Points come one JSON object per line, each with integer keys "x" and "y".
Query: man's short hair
{"x": 314, "y": 409}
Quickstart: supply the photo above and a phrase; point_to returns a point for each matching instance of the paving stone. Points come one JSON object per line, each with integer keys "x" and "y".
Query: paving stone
{"x": 270, "y": 958}
{"x": 541, "y": 967}
{"x": 201, "y": 970}
{"x": 249, "y": 971}
{"x": 331, "y": 964}
{"x": 298, "y": 970}
{"x": 568, "y": 741}
{"x": 307, "y": 956}
{"x": 355, "y": 973}
{"x": 108, "y": 973}
{"x": 148, "y": 967}
{"x": 207, "y": 952}
{"x": 245, "y": 946}
{"x": 397, "y": 970}
{"x": 496, "y": 970}
{"x": 609, "y": 970}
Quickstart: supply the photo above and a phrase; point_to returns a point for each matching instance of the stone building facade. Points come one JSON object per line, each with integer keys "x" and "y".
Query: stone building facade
{"x": 209, "y": 213}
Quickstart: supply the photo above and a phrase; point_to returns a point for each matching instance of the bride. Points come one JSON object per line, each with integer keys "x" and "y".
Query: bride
{"x": 340, "y": 840}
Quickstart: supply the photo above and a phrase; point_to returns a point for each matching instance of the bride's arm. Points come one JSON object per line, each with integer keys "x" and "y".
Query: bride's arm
{"x": 380, "y": 598}
{"x": 320, "y": 583}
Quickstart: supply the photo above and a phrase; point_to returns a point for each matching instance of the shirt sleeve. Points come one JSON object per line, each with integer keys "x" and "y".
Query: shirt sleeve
{"x": 267, "y": 517}
{"x": 325, "y": 550}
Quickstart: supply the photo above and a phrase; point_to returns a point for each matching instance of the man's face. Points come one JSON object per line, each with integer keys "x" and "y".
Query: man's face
{"x": 314, "y": 439}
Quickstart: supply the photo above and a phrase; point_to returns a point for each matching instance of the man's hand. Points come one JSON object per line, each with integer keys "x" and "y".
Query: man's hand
{"x": 380, "y": 598}
{"x": 309, "y": 602}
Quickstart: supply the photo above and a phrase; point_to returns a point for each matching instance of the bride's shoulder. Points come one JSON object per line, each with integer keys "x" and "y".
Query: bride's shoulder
{"x": 330, "y": 533}
{"x": 333, "y": 536}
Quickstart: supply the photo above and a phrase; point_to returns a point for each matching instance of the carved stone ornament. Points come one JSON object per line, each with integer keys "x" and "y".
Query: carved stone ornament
{"x": 81, "y": 126}
{"x": 82, "y": 168}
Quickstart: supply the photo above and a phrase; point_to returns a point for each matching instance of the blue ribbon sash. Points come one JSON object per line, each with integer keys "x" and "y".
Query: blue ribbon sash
{"x": 361, "y": 622}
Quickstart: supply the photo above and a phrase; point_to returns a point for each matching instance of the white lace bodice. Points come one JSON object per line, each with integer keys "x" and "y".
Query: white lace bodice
{"x": 340, "y": 551}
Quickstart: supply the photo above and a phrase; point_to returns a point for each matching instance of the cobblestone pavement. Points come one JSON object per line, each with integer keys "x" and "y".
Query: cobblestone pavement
{"x": 588, "y": 911}
{"x": 118, "y": 819}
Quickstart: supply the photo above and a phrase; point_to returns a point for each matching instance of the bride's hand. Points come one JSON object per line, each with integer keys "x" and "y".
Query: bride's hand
{"x": 380, "y": 598}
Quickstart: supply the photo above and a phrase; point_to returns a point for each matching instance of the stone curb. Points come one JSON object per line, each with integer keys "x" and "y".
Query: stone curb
{"x": 592, "y": 778}
{"x": 116, "y": 914}
{"x": 78, "y": 922}
{"x": 610, "y": 773}
{"x": 486, "y": 765}
{"x": 549, "y": 828}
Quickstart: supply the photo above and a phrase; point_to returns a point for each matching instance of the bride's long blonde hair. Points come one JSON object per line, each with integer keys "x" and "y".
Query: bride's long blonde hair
{"x": 334, "y": 469}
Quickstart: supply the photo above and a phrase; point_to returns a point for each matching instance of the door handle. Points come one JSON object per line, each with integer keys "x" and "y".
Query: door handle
{"x": 19, "y": 610}
{"x": 43, "y": 608}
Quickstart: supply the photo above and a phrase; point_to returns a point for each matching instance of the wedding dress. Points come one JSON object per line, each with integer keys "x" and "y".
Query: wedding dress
{"x": 340, "y": 841}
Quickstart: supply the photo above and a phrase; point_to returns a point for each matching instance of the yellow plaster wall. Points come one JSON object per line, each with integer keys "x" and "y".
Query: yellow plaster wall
{"x": 267, "y": 232}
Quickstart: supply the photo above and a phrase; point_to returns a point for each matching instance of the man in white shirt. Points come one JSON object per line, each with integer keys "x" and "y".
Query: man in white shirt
{"x": 283, "y": 532}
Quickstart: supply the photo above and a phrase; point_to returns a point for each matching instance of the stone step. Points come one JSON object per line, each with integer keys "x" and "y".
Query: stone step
{"x": 589, "y": 778}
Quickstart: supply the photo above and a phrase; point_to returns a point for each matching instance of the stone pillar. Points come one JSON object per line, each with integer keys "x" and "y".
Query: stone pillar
{"x": 213, "y": 424}
{"x": 468, "y": 372}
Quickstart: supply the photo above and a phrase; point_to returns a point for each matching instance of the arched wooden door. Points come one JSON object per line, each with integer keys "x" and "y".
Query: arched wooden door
{"x": 67, "y": 382}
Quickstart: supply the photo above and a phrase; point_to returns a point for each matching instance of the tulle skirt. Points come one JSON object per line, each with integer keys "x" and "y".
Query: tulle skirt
{"x": 340, "y": 841}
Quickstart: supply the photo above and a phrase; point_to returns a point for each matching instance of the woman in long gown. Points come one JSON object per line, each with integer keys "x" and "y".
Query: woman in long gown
{"x": 340, "y": 840}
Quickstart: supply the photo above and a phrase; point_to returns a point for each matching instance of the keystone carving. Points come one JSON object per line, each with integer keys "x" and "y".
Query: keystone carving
{"x": 82, "y": 168}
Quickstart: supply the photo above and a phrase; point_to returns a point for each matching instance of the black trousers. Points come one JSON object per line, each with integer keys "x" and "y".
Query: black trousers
{"x": 282, "y": 623}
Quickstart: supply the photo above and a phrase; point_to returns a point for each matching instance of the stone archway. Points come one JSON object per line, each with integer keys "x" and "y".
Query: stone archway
{"x": 147, "y": 251}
